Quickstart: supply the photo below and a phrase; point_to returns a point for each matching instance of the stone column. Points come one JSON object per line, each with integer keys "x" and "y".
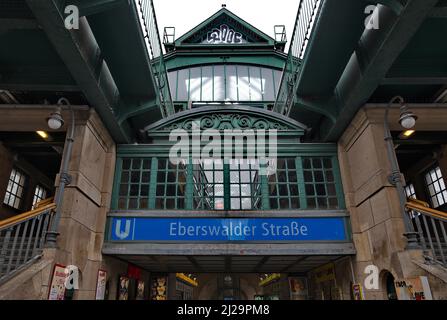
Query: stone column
{"x": 373, "y": 203}
{"x": 86, "y": 202}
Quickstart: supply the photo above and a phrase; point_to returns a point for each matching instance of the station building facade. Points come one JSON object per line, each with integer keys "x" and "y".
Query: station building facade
{"x": 310, "y": 218}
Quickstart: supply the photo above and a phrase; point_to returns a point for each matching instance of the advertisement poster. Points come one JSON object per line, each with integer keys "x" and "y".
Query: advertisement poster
{"x": 57, "y": 287}
{"x": 413, "y": 289}
{"x": 357, "y": 291}
{"x": 298, "y": 288}
{"x": 140, "y": 290}
{"x": 123, "y": 288}
{"x": 159, "y": 288}
{"x": 101, "y": 284}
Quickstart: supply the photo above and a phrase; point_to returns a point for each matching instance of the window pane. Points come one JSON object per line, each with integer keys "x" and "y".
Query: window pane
{"x": 219, "y": 83}
{"x": 195, "y": 85}
{"x": 183, "y": 85}
{"x": 436, "y": 187}
{"x": 231, "y": 83}
{"x": 243, "y": 83}
{"x": 207, "y": 83}
{"x": 172, "y": 78}
{"x": 267, "y": 75}
{"x": 255, "y": 84}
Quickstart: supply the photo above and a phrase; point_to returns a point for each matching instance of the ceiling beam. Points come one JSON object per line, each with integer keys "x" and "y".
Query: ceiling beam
{"x": 228, "y": 264}
{"x": 38, "y": 87}
{"x": 297, "y": 261}
{"x": 261, "y": 263}
{"x": 369, "y": 64}
{"x": 8, "y": 24}
{"x": 81, "y": 54}
{"x": 195, "y": 263}
{"x": 414, "y": 81}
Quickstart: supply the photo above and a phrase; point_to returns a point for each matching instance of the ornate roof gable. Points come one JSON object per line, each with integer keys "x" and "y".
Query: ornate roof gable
{"x": 224, "y": 27}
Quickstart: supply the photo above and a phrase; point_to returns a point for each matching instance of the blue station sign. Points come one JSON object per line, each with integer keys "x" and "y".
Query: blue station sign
{"x": 228, "y": 230}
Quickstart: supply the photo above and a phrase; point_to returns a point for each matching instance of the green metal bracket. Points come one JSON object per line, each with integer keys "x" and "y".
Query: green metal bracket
{"x": 323, "y": 107}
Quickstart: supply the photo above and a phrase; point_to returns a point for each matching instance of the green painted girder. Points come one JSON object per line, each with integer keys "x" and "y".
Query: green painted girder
{"x": 90, "y": 7}
{"x": 395, "y": 5}
{"x": 326, "y": 107}
{"x": 80, "y": 53}
{"x": 291, "y": 149}
{"x": 122, "y": 44}
{"x": 370, "y": 63}
{"x": 334, "y": 38}
{"x": 136, "y": 110}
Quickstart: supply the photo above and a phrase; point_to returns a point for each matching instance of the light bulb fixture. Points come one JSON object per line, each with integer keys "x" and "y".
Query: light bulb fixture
{"x": 43, "y": 134}
{"x": 55, "y": 120}
{"x": 406, "y": 134}
{"x": 407, "y": 118}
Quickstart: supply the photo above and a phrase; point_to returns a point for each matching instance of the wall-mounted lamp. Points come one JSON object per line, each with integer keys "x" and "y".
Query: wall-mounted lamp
{"x": 407, "y": 120}
{"x": 55, "y": 120}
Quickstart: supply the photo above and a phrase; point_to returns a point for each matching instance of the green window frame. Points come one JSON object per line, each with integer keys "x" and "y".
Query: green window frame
{"x": 299, "y": 183}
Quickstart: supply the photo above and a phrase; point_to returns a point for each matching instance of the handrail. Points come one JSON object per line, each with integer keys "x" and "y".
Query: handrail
{"x": 149, "y": 26}
{"x": 22, "y": 240}
{"x": 44, "y": 202}
{"x": 431, "y": 226}
{"x": 25, "y": 216}
{"x": 304, "y": 23}
{"x": 413, "y": 205}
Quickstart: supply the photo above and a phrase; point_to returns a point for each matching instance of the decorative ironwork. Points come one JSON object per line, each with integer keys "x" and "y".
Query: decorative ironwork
{"x": 228, "y": 121}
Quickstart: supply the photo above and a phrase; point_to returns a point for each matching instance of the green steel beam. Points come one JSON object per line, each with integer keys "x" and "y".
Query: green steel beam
{"x": 81, "y": 54}
{"x": 394, "y": 5}
{"x": 335, "y": 36}
{"x": 17, "y": 24}
{"x": 414, "y": 81}
{"x": 438, "y": 12}
{"x": 325, "y": 107}
{"x": 135, "y": 111}
{"x": 90, "y": 7}
{"x": 377, "y": 52}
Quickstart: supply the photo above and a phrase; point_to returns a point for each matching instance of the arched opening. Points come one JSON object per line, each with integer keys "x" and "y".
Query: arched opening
{"x": 388, "y": 280}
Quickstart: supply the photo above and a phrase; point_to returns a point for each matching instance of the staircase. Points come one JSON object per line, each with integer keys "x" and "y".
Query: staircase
{"x": 431, "y": 225}
{"x": 22, "y": 239}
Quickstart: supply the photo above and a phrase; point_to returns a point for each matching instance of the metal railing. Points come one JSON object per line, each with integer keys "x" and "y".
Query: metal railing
{"x": 22, "y": 239}
{"x": 431, "y": 225}
{"x": 308, "y": 11}
{"x": 148, "y": 22}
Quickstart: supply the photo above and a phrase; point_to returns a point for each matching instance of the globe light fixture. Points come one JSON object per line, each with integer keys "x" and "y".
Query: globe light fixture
{"x": 407, "y": 118}
{"x": 55, "y": 120}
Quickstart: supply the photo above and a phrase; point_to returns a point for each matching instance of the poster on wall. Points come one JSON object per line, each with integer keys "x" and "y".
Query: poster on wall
{"x": 159, "y": 288}
{"x": 413, "y": 289}
{"x": 57, "y": 287}
{"x": 298, "y": 288}
{"x": 101, "y": 284}
{"x": 123, "y": 288}
{"x": 140, "y": 290}
{"x": 357, "y": 291}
